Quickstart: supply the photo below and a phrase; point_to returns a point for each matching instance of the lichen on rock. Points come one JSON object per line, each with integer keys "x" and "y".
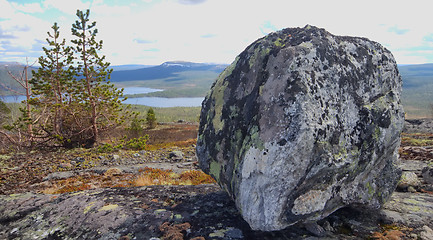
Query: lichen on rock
{"x": 301, "y": 124}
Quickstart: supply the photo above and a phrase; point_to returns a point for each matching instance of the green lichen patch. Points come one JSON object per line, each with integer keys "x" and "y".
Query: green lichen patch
{"x": 108, "y": 207}
{"x": 259, "y": 53}
{"x": 88, "y": 207}
{"x": 218, "y": 97}
{"x": 215, "y": 170}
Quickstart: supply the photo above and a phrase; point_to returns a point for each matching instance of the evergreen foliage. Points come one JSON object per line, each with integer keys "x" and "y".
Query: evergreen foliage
{"x": 52, "y": 87}
{"x": 73, "y": 101}
{"x": 98, "y": 97}
{"x": 151, "y": 118}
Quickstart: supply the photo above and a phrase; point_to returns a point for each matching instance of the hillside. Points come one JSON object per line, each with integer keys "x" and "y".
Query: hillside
{"x": 178, "y": 79}
{"x": 417, "y": 96}
{"x": 17, "y": 70}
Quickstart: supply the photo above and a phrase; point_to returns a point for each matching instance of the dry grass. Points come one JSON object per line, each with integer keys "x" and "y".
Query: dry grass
{"x": 147, "y": 177}
{"x": 416, "y": 139}
{"x": 152, "y": 176}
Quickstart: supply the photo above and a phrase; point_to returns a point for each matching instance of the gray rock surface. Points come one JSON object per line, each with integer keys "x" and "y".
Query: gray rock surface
{"x": 409, "y": 209}
{"x": 303, "y": 123}
{"x": 427, "y": 173}
{"x": 418, "y": 126}
{"x": 139, "y": 212}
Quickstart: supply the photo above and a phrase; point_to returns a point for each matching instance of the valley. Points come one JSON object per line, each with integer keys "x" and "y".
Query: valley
{"x": 180, "y": 79}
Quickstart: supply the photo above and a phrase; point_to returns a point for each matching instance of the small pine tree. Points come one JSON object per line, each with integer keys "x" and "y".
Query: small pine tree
{"x": 100, "y": 99}
{"x": 151, "y": 118}
{"x": 52, "y": 91}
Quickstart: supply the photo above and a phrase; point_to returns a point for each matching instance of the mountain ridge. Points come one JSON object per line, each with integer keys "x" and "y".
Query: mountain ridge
{"x": 189, "y": 79}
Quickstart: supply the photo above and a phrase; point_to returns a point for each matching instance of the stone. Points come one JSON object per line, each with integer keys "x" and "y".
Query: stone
{"x": 408, "y": 179}
{"x": 142, "y": 152}
{"x": 176, "y": 155}
{"x": 59, "y": 175}
{"x": 301, "y": 124}
{"x": 65, "y": 165}
{"x": 113, "y": 172}
{"x": 427, "y": 233}
{"x": 427, "y": 173}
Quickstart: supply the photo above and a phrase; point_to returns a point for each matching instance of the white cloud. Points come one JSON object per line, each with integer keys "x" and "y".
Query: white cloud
{"x": 28, "y": 7}
{"x": 69, "y": 7}
{"x": 153, "y": 31}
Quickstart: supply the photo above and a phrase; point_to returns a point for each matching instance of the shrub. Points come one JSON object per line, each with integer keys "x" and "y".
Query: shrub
{"x": 151, "y": 118}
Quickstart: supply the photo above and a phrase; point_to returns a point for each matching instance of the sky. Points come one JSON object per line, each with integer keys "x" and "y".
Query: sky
{"x": 151, "y": 32}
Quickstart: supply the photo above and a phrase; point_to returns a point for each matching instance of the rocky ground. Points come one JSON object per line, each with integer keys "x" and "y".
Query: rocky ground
{"x": 104, "y": 201}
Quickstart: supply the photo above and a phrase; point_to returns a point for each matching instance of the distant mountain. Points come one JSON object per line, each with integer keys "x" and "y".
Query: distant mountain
{"x": 165, "y": 70}
{"x": 129, "y": 67}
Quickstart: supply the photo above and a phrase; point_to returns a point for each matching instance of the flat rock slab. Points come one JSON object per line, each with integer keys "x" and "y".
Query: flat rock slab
{"x": 413, "y": 165}
{"x": 134, "y": 169}
{"x": 413, "y": 210}
{"x": 139, "y": 212}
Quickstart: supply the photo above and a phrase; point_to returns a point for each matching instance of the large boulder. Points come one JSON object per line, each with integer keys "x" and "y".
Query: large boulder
{"x": 303, "y": 123}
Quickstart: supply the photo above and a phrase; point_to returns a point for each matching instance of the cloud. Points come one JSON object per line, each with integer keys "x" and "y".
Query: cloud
{"x": 28, "y": 7}
{"x": 398, "y": 31}
{"x": 428, "y": 38}
{"x": 209, "y": 35}
{"x": 151, "y": 50}
{"x": 143, "y": 41}
{"x": 69, "y": 7}
{"x": 4, "y": 35}
{"x": 191, "y": 2}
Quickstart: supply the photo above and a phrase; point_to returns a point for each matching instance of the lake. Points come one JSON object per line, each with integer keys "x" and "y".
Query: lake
{"x": 148, "y": 101}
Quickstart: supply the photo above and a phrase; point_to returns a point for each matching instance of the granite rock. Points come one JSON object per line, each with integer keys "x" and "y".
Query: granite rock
{"x": 301, "y": 124}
